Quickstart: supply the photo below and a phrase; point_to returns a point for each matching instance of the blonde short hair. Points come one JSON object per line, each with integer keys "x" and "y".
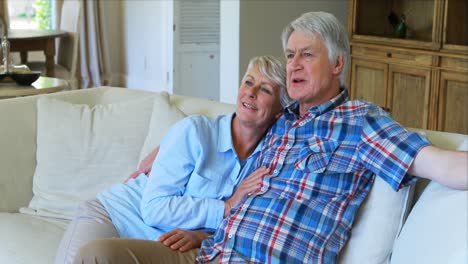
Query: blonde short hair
{"x": 275, "y": 71}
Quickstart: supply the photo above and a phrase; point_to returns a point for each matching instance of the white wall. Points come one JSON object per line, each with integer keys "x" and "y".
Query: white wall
{"x": 229, "y": 51}
{"x": 147, "y": 44}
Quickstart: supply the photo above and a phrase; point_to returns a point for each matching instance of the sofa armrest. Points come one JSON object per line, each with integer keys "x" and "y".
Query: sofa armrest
{"x": 17, "y": 151}
{"x": 435, "y": 231}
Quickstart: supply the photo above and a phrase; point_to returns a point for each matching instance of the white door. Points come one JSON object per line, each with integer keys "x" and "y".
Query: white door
{"x": 196, "y": 48}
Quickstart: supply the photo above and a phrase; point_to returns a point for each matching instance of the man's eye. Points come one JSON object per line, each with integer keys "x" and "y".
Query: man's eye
{"x": 289, "y": 56}
{"x": 307, "y": 54}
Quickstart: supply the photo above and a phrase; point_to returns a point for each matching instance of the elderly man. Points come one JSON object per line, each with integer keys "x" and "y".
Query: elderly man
{"x": 323, "y": 153}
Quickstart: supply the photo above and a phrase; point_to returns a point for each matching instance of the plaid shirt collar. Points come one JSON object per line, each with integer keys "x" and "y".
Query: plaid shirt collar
{"x": 291, "y": 112}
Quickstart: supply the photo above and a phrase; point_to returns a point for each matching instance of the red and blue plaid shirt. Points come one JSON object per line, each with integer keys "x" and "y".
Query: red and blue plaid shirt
{"x": 322, "y": 167}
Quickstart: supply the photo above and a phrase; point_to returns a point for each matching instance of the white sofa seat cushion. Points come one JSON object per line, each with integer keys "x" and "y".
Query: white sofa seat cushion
{"x": 28, "y": 239}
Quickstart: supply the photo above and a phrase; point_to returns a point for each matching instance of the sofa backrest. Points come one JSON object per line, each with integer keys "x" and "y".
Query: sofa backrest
{"x": 18, "y": 123}
{"x": 199, "y": 106}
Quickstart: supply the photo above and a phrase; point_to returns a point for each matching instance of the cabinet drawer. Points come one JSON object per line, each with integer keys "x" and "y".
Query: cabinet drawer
{"x": 454, "y": 63}
{"x": 390, "y": 55}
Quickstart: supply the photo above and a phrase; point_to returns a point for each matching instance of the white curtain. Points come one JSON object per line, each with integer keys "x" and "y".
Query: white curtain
{"x": 94, "y": 58}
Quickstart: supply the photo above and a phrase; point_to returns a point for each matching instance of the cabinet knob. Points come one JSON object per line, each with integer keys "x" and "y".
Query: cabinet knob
{"x": 386, "y": 109}
{"x": 389, "y": 55}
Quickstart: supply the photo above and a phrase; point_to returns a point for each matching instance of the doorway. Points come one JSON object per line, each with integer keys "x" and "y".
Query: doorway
{"x": 196, "y": 48}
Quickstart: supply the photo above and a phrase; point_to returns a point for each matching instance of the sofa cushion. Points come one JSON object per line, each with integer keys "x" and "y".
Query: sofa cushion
{"x": 82, "y": 150}
{"x": 163, "y": 117}
{"x": 29, "y": 239}
{"x": 436, "y": 230}
{"x": 377, "y": 224}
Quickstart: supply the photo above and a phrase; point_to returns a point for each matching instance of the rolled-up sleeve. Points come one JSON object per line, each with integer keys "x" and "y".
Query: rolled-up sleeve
{"x": 388, "y": 149}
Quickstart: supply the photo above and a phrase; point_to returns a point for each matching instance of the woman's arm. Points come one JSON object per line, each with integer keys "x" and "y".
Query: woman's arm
{"x": 446, "y": 167}
{"x": 166, "y": 202}
{"x": 145, "y": 165}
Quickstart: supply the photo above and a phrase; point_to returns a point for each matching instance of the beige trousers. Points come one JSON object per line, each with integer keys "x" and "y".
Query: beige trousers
{"x": 90, "y": 222}
{"x": 117, "y": 250}
{"x": 92, "y": 238}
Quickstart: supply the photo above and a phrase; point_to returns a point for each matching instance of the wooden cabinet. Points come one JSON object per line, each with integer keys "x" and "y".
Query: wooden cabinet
{"x": 408, "y": 99}
{"x": 421, "y": 79}
{"x": 452, "y": 95}
{"x": 370, "y": 81}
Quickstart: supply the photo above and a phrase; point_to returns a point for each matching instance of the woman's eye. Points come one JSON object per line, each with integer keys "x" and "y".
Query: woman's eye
{"x": 265, "y": 90}
{"x": 248, "y": 83}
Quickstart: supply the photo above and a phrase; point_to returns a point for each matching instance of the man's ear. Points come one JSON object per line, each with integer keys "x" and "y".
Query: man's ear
{"x": 339, "y": 64}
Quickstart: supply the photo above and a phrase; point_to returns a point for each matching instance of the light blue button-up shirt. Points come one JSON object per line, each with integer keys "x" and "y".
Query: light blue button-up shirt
{"x": 196, "y": 169}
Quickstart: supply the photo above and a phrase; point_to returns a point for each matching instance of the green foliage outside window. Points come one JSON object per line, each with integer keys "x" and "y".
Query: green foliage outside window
{"x": 43, "y": 14}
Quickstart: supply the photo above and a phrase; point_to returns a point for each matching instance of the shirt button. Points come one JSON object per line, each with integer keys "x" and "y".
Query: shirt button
{"x": 230, "y": 235}
{"x": 288, "y": 146}
{"x": 275, "y": 171}
{"x": 301, "y": 123}
{"x": 264, "y": 189}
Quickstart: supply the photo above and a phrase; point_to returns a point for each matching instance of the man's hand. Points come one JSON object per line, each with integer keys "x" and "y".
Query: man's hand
{"x": 248, "y": 185}
{"x": 145, "y": 165}
{"x": 183, "y": 240}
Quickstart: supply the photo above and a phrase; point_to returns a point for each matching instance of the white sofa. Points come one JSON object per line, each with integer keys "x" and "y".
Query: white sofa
{"x": 435, "y": 231}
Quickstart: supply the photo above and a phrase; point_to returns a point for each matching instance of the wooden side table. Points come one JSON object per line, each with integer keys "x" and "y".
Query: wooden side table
{"x": 31, "y": 40}
{"x": 42, "y": 85}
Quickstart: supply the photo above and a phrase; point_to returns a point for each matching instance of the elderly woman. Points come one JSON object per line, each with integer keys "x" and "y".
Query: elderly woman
{"x": 203, "y": 169}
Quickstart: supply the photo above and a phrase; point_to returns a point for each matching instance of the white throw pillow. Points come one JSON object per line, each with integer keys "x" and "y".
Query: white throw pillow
{"x": 163, "y": 117}
{"x": 376, "y": 226}
{"x": 82, "y": 150}
{"x": 436, "y": 231}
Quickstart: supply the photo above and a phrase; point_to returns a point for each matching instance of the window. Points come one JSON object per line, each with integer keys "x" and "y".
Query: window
{"x": 30, "y": 14}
